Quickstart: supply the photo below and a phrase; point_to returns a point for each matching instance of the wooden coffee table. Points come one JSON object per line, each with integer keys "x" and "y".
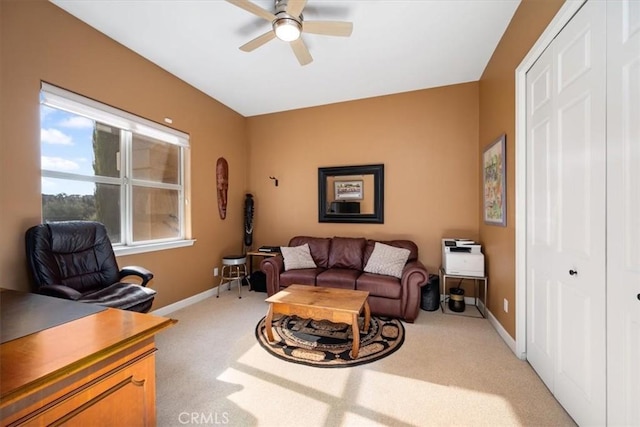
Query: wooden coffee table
{"x": 318, "y": 303}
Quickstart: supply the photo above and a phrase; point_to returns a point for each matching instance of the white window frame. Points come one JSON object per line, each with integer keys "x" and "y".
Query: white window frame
{"x": 129, "y": 124}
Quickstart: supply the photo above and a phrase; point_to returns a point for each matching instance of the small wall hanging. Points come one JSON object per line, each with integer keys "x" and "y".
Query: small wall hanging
{"x": 222, "y": 185}
{"x": 494, "y": 182}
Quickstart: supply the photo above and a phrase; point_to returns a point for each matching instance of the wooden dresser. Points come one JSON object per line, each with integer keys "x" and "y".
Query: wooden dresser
{"x": 97, "y": 369}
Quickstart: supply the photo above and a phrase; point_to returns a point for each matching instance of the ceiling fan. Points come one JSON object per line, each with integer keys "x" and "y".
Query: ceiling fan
{"x": 288, "y": 24}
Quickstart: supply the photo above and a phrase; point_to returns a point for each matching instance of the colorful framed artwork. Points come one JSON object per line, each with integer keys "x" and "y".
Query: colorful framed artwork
{"x": 494, "y": 182}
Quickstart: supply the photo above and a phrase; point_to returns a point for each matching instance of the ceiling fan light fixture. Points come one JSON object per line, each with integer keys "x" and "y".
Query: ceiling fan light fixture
{"x": 287, "y": 29}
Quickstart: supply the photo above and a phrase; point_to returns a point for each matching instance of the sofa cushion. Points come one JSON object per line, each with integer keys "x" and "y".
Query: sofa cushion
{"x": 338, "y": 278}
{"x": 305, "y": 276}
{"x": 347, "y": 252}
{"x": 318, "y": 246}
{"x": 379, "y": 286}
{"x": 406, "y": 244}
{"x": 387, "y": 260}
{"x": 297, "y": 257}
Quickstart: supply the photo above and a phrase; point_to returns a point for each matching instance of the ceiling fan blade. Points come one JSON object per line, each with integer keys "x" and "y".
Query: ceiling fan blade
{"x": 301, "y": 51}
{"x": 294, "y": 7}
{"x": 253, "y": 8}
{"x": 328, "y": 28}
{"x": 257, "y": 42}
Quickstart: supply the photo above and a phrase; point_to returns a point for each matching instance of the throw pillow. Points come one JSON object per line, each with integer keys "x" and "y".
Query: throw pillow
{"x": 297, "y": 257}
{"x": 387, "y": 260}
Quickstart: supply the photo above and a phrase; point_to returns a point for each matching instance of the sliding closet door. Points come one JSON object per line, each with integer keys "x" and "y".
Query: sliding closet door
{"x": 623, "y": 214}
{"x": 566, "y": 172}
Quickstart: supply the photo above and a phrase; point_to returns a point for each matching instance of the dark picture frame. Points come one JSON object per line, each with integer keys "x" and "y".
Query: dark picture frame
{"x": 494, "y": 182}
{"x": 332, "y": 174}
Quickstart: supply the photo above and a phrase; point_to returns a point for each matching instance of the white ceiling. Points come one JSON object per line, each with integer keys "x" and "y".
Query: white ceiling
{"x": 396, "y": 46}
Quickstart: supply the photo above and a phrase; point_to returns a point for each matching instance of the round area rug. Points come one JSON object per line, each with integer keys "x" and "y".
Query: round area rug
{"x": 325, "y": 344}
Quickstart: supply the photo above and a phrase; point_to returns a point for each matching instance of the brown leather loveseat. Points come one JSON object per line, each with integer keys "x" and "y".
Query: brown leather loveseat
{"x": 340, "y": 263}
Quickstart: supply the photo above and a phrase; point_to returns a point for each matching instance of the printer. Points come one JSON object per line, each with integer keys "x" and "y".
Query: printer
{"x": 462, "y": 257}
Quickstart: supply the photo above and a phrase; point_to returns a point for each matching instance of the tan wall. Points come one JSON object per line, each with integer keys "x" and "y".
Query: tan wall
{"x": 42, "y": 42}
{"x": 497, "y": 116}
{"x": 426, "y": 139}
{"x": 430, "y": 142}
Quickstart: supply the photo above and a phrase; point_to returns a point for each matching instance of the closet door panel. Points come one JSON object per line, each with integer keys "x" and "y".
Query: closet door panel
{"x": 579, "y": 264}
{"x": 623, "y": 214}
{"x": 541, "y": 220}
{"x": 575, "y": 150}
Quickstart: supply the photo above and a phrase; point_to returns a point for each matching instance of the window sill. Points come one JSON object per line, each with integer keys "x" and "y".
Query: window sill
{"x": 152, "y": 247}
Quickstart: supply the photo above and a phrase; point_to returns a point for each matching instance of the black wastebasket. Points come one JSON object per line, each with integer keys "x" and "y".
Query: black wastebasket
{"x": 431, "y": 294}
{"x": 456, "y": 300}
{"x": 257, "y": 281}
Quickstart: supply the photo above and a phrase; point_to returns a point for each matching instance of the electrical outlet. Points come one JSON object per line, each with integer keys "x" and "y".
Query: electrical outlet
{"x": 506, "y": 305}
{"x": 215, "y": 271}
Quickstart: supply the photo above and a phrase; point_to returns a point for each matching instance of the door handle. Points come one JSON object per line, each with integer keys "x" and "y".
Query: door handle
{"x": 638, "y": 297}
{"x": 573, "y": 272}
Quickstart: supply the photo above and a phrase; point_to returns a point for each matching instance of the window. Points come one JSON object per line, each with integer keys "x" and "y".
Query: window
{"x": 102, "y": 164}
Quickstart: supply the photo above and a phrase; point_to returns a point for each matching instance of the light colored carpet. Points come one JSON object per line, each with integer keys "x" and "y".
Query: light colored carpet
{"x": 451, "y": 370}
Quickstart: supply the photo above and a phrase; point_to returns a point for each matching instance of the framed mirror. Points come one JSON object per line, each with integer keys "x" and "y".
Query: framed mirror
{"x": 353, "y": 194}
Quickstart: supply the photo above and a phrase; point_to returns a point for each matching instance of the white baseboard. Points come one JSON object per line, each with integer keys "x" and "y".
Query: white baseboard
{"x": 191, "y": 300}
{"x": 511, "y": 343}
{"x": 470, "y": 301}
{"x": 185, "y": 302}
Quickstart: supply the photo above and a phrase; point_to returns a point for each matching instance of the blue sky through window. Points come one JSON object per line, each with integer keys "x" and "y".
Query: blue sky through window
{"x": 66, "y": 146}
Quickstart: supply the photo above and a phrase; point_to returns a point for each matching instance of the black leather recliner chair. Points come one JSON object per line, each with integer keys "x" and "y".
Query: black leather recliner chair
{"x": 74, "y": 260}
